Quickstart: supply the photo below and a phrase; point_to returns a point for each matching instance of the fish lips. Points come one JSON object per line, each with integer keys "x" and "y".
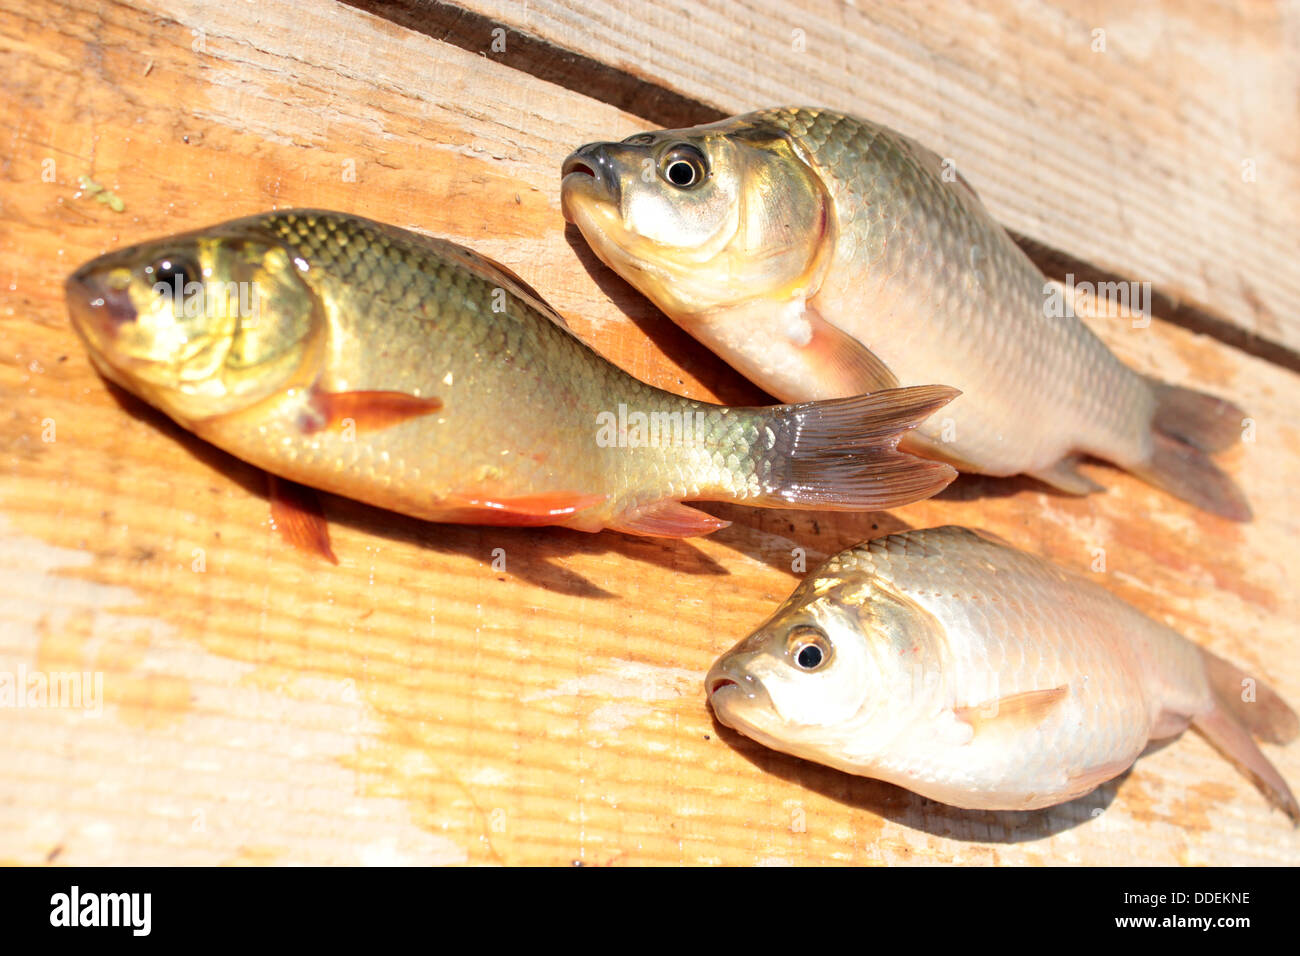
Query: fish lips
{"x": 733, "y": 692}
{"x": 97, "y": 306}
{"x": 590, "y": 172}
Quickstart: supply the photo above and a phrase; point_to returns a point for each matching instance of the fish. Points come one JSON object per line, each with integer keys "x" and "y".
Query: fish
{"x": 822, "y": 255}
{"x": 414, "y": 374}
{"x": 952, "y": 664}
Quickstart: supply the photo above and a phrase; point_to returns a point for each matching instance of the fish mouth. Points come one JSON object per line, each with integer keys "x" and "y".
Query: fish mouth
{"x": 726, "y": 682}
{"x": 98, "y": 306}
{"x": 588, "y": 173}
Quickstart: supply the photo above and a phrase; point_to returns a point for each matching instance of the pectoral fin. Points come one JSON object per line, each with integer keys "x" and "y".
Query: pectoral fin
{"x": 1023, "y": 710}
{"x": 841, "y": 362}
{"x": 363, "y": 410}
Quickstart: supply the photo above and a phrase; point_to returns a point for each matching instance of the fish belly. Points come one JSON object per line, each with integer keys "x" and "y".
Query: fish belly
{"x": 1014, "y": 625}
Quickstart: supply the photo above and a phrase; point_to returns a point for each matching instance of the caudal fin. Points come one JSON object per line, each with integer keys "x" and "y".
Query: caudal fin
{"x": 1195, "y": 418}
{"x": 1253, "y": 703}
{"x": 1244, "y": 705}
{"x": 1187, "y": 426}
{"x": 843, "y": 454}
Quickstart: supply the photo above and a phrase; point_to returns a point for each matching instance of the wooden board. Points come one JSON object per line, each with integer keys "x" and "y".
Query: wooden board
{"x": 1160, "y": 144}
{"x": 417, "y": 704}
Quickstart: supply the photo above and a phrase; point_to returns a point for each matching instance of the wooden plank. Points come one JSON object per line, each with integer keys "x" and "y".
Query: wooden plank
{"x": 1172, "y": 156}
{"x": 415, "y": 704}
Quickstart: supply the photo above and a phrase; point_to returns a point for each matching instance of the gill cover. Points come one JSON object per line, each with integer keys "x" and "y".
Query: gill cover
{"x": 200, "y": 324}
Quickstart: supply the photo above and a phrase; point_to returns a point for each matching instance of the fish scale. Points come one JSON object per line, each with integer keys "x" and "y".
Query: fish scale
{"x": 982, "y": 676}
{"x": 934, "y": 228}
{"x": 414, "y": 374}
{"x": 823, "y": 255}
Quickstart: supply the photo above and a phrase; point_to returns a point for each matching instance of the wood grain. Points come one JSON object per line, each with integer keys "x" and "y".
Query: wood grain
{"x": 417, "y": 704}
{"x": 1171, "y": 156}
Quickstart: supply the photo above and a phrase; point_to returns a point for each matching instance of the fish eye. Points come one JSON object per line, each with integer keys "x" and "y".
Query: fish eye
{"x": 809, "y": 647}
{"x": 683, "y": 166}
{"x": 173, "y": 271}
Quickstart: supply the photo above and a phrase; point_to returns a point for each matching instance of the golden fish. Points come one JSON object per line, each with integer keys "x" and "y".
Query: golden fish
{"x": 823, "y": 256}
{"x": 981, "y": 676}
{"x": 413, "y": 374}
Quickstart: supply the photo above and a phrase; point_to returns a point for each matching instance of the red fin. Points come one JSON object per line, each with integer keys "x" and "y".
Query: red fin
{"x": 1026, "y": 709}
{"x": 527, "y": 508}
{"x": 296, "y": 514}
{"x": 366, "y": 411}
{"x": 671, "y": 519}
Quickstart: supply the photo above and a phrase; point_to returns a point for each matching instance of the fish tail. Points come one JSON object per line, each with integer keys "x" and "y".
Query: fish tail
{"x": 843, "y": 454}
{"x": 1187, "y": 427}
{"x": 1195, "y": 418}
{"x": 1254, "y": 704}
{"x": 1244, "y": 706}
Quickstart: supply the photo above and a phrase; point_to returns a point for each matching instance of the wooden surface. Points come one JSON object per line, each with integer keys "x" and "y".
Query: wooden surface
{"x": 416, "y": 704}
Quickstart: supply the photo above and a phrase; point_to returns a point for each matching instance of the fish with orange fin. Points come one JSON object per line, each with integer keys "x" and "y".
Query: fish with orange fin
{"x": 950, "y": 663}
{"x": 824, "y": 255}
{"x": 411, "y": 373}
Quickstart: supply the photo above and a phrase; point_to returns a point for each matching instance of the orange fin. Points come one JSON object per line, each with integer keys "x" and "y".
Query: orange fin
{"x": 365, "y": 411}
{"x": 1026, "y": 709}
{"x": 296, "y": 514}
{"x": 842, "y": 362}
{"x": 671, "y": 519}
{"x": 527, "y": 509}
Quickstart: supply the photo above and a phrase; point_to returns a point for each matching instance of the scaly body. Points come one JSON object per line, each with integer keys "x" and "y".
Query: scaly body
{"x": 413, "y": 374}
{"x": 980, "y": 676}
{"x": 823, "y": 255}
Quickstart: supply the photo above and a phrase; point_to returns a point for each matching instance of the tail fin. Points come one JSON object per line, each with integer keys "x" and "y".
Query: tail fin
{"x": 1187, "y": 426}
{"x": 843, "y": 454}
{"x": 1244, "y": 706}
{"x": 1254, "y": 704}
{"x": 1194, "y": 418}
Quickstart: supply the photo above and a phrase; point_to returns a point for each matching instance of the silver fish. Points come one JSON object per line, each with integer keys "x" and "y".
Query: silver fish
{"x": 981, "y": 676}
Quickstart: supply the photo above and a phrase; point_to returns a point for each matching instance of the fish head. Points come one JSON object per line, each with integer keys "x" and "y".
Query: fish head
{"x": 198, "y": 325}
{"x": 835, "y": 675}
{"x": 705, "y": 218}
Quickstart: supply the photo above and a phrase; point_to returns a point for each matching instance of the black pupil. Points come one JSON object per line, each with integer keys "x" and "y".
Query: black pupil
{"x": 809, "y": 656}
{"x": 681, "y": 173}
{"x": 169, "y": 270}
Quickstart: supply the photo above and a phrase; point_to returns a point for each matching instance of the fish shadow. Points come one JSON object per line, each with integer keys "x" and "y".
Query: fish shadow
{"x": 797, "y": 541}
{"x": 912, "y": 810}
{"x": 530, "y": 554}
{"x": 968, "y": 486}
